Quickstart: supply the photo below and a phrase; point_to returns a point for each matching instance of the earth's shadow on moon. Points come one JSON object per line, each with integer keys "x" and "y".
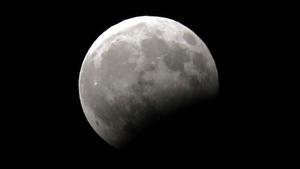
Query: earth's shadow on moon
{"x": 193, "y": 126}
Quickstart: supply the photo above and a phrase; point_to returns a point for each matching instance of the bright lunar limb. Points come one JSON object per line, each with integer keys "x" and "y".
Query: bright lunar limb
{"x": 140, "y": 70}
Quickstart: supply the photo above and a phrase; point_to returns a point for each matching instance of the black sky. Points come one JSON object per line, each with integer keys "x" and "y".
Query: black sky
{"x": 48, "y": 44}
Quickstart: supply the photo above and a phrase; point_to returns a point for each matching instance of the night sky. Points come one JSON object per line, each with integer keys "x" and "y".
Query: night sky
{"x": 50, "y": 42}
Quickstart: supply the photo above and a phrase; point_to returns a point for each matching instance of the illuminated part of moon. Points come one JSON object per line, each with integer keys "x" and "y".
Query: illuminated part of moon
{"x": 139, "y": 70}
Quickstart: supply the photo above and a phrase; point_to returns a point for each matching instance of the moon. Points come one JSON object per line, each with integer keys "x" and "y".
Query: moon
{"x": 141, "y": 70}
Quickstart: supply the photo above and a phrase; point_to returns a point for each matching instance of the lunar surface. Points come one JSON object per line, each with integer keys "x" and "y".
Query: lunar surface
{"x": 141, "y": 70}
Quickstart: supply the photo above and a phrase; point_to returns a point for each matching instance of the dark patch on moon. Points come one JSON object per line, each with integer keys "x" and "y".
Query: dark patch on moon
{"x": 158, "y": 32}
{"x": 194, "y": 81}
{"x": 200, "y": 61}
{"x": 142, "y": 83}
{"x": 140, "y": 114}
{"x": 176, "y": 58}
{"x": 189, "y": 38}
{"x": 145, "y": 105}
{"x": 104, "y": 110}
{"x": 150, "y": 67}
{"x": 97, "y": 122}
{"x": 154, "y": 47}
{"x": 136, "y": 88}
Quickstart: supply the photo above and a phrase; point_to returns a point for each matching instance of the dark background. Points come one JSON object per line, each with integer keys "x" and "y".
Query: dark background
{"x": 47, "y": 42}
